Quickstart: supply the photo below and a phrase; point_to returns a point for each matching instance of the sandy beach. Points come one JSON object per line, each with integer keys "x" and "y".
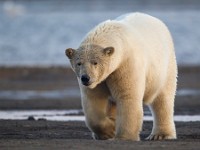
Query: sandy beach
{"x": 25, "y": 134}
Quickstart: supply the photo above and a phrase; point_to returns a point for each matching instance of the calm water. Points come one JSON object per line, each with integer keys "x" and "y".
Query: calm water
{"x": 38, "y": 32}
{"x": 71, "y": 115}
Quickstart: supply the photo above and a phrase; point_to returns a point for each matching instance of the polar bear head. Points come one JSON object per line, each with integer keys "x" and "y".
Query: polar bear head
{"x": 91, "y": 63}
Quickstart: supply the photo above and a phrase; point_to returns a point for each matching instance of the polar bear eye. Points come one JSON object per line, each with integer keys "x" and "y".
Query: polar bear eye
{"x": 79, "y": 64}
{"x": 94, "y": 63}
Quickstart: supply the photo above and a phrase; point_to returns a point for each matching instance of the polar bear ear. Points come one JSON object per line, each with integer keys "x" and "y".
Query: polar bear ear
{"x": 108, "y": 51}
{"x": 69, "y": 53}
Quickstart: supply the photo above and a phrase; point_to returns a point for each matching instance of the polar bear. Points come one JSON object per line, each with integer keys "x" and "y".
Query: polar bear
{"x": 120, "y": 65}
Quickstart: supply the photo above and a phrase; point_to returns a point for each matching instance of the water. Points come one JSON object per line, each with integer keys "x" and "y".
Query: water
{"x": 188, "y": 92}
{"x": 26, "y": 95}
{"x": 60, "y": 94}
{"x": 54, "y": 115}
{"x": 71, "y": 115}
{"x": 37, "y": 33}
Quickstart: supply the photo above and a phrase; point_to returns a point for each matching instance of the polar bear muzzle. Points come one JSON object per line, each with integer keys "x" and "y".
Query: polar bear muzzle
{"x": 85, "y": 80}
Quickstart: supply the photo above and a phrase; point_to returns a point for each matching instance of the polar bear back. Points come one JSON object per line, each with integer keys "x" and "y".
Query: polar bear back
{"x": 150, "y": 37}
{"x": 149, "y": 30}
{"x": 150, "y": 43}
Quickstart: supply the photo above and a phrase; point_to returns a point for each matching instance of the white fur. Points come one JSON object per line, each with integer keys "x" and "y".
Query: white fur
{"x": 141, "y": 70}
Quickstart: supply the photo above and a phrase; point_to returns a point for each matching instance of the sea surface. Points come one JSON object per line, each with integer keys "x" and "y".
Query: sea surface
{"x": 36, "y": 33}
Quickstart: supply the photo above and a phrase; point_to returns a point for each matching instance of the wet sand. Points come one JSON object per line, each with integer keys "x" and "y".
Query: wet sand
{"x": 45, "y": 134}
{"x": 17, "y": 134}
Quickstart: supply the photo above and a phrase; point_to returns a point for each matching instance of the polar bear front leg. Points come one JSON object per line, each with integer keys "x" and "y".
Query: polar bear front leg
{"x": 128, "y": 94}
{"x": 95, "y": 105}
{"x": 129, "y": 119}
{"x": 97, "y": 120}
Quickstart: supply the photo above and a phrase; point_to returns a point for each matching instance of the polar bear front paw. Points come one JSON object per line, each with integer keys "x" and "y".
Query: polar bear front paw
{"x": 104, "y": 136}
{"x": 155, "y": 137}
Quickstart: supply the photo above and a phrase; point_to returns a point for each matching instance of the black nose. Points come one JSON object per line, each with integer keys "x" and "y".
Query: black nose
{"x": 85, "y": 79}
